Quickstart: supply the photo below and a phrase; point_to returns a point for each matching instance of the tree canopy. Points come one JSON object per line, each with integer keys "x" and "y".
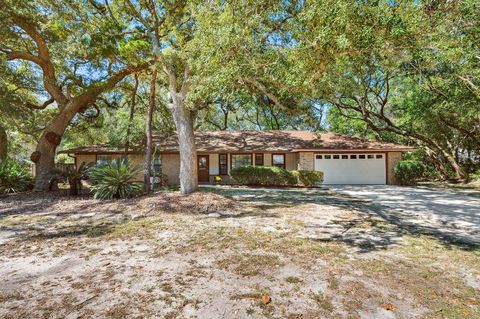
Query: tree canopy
{"x": 398, "y": 71}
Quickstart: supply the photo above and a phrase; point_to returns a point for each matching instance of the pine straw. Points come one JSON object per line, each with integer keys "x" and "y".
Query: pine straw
{"x": 196, "y": 203}
{"x": 154, "y": 204}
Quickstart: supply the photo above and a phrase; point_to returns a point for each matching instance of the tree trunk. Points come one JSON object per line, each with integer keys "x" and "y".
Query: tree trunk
{"x": 132, "y": 112}
{"x": 74, "y": 189}
{"x": 457, "y": 168}
{"x": 184, "y": 121}
{"x": 3, "y": 144}
{"x": 147, "y": 166}
{"x": 46, "y": 162}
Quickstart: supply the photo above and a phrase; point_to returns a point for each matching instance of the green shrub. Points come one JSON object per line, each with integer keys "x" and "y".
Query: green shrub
{"x": 74, "y": 177}
{"x": 308, "y": 178}
{"x": 114, "y": 179}
{"x": 409, "y": 171}
{"x": 14, "y": 177}
{"x": 275, "y": 176}
{"x": 476, "y": 174}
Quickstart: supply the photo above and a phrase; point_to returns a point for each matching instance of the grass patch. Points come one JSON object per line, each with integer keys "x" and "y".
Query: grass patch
{"x": 293, "y": 280}
{"x": 138, "y": 227}
{"x": 324, "y": 302}
{"x": 429, "y": 272}
{"x": 250, "y": 264}
{"x": 10, "y": 296}
{"x": 220, "y": 238}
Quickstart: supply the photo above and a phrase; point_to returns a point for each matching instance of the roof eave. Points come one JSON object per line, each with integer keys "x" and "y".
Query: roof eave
{"x": 406, "y": 149}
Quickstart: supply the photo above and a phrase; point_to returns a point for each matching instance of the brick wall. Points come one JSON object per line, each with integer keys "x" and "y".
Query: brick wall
{"x": 306, "y": 161}
{"x": 171, "y": 167}
{"x": 392, "y": 158}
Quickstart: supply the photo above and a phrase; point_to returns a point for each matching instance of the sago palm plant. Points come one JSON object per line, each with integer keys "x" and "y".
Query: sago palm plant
{"x": 74, "y": 177}
{"x": 14, "y": 177}
{"x": 114, "y": 179}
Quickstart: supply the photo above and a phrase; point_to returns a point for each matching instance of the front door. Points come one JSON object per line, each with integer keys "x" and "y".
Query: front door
{"x": 203, "y": 175}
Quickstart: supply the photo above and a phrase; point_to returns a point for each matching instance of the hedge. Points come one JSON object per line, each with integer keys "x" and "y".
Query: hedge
{"x": 409, "y": 171}
{"x": 275, "y": 176}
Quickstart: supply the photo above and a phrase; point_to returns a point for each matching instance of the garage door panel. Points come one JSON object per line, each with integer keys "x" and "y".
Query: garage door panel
{"x": 338, "y": 170}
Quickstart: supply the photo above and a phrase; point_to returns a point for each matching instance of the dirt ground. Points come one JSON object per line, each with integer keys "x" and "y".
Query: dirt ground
{"x": 220, "y": 253}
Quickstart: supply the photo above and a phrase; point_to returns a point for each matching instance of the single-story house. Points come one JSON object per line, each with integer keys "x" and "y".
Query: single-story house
{"x": 343, "y": 159}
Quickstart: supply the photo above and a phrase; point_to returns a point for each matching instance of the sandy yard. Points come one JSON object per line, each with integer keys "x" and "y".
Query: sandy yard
{"x": 313, "y": 253}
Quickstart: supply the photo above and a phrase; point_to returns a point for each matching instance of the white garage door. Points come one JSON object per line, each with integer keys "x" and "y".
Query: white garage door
{"x": 351, "y": 168}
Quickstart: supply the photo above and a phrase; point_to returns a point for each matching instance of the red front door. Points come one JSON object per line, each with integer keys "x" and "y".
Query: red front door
{"x": 203, "y": 175}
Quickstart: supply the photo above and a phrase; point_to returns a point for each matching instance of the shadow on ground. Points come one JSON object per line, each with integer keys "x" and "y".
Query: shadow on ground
{"x": 376, "y": 228}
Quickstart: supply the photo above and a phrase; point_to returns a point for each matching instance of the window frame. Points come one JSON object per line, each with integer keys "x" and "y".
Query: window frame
{"x": 157, "y": 165}
{"x": 284, "y": 165}
{"x": 220, "y": 172}
{"x": 263, "y": 159}
{"x": 233, "y": 154}
{"x": 101, "y": 162}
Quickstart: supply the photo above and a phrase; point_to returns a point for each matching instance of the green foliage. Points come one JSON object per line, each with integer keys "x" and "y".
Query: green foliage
{"x": 114, "y": 180}
{"x": 14, "y": 177}
{"x": 408, "y": 172}
{"x": 74, "y": 176}
{"x": 275, "y": 176}
{"x": 308, "y": 178}
{"x": 476, "y": 175}
{"x": 263, "y": 175}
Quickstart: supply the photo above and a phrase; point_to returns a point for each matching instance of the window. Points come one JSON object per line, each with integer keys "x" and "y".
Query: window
{"x": 157, "y": 165}
{"x": 353, "y": 156}
{"x": 370, "y": 156}
{"x": 278, "y": 160}
{"x": 104, "y": 159}
{"x": 378, "y": 156}
{"x": 240, "y": 160}
{"x": 223, "y": 168}
{"x": 336, "y": 156}
{"x": 258, "y": 159}
{"x": 328, "y": 156}
{"x": 344, "y": 156}
{"x": 202, "y": 162}
{"x": 362, "y": 156}
{"x": 318, "y": 156}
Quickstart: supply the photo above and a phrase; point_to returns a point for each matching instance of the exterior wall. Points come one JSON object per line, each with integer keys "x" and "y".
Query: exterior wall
{"x": 267, "y": 159}
{"x": 306, "y": 161}
{"x": 87, "y": 158}
{"x": 392, "y": 159}
{"x": 291, "y": 161}
{"x": 171, "y": 167}
{"x": 137, "y": 162}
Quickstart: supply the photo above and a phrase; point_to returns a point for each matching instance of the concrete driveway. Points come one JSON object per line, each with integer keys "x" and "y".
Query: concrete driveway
{"x": 449, "y": 213}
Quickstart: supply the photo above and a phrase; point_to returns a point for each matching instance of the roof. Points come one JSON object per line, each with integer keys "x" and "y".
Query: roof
{"x": 96, "y": 149}
{"x": 275, "y": 141}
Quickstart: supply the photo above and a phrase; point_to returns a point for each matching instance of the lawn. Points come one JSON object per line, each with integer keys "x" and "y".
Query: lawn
{"x": 226, "y": 253}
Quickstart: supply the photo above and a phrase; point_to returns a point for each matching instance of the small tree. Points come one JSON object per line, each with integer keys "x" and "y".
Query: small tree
{"x": 115, "y": 179}
{"x": 74, "y": 177}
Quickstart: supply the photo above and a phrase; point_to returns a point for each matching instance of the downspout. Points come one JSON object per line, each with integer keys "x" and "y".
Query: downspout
{"x": 152, "y": 168}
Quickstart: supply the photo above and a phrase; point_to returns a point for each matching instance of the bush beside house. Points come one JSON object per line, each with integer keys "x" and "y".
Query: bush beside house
{"x": 275, "y": 176}
{"x": 115, "y": 179}
{"x": 14, "y": 177}
{"x": 408, "y": 172}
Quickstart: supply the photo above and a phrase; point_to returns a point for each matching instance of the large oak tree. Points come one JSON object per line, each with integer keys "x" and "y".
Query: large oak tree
{"x": 74, "y": 50}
